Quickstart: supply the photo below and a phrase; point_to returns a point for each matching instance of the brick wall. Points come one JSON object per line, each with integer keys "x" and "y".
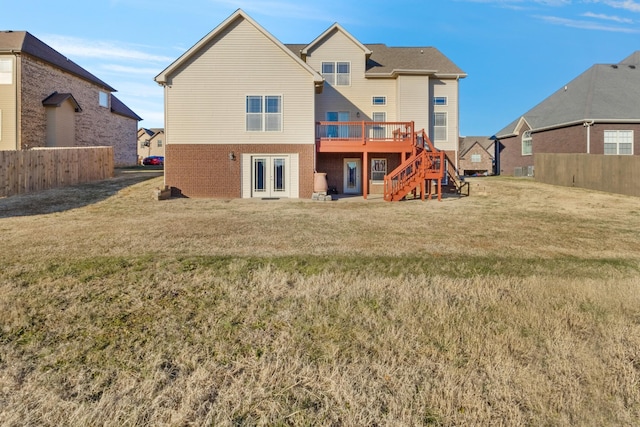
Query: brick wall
{"x": 204, "y": 170}
{"x": 333, "y": 165}
{"x": 485, "y": 164}
{"x": 95, "y": 125}
{"x": 571, "y": 139}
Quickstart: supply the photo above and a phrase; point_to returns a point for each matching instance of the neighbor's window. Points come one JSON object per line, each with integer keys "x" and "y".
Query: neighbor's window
{"x": 264, "y": 113}
{"x": 618, "y": 142}
{"x": 439, "y": 126}
{"x": 6, "y": 71}
{"x": 440, "y": 101}
{"x": 378, "y": 169}
{"x": 476, "y": 158}
{"x": 103, "y": 99}
{"x": 159, "y": 143}
{"x": 337, "y": 73}
{"x": 379, "y": 100}
{"x": 527, "y": 144}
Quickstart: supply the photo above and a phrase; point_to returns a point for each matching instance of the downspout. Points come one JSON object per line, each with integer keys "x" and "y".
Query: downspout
{"x": 588, "y": 126}
{"x": 18, "y": 102}
{"x": 458, "y": 116}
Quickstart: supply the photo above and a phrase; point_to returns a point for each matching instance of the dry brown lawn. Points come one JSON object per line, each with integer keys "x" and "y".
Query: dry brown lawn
{"x": 518, "y": 305}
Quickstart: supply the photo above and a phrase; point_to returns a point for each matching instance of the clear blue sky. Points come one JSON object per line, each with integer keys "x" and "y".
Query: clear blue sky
{"x": 515, "y": 52}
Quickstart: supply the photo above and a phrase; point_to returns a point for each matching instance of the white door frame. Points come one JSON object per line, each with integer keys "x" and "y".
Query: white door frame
{"x": 352, "y": 176}
{"x": 270, "y": 175}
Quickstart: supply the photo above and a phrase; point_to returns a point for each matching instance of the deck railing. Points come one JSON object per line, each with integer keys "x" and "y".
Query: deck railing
{"x": 365, "y": 132}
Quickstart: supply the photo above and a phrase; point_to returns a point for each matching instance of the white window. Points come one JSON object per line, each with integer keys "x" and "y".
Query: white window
{"x": 379, "y": 100}
{"x": 337, "y": 73}
{"x": 618, "y": 142}
{"x": 378, "y": 169}
{"x": 527, "y": 144}
{"x": 439, "y": 126}
{"x": 6, "y": 71}
{"x": 476, "y": 158}
{"x": 103, "y": 99}
{"x": 440, "y": 101}
{"x": 264, "y": 113}
{"x": 159, "y": 143}
{"x": 379, "y": 131}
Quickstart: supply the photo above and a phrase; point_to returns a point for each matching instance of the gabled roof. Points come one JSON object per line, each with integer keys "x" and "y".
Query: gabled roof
{"x": 26, "y": 43}
{"x": 388, "y": 61}
{"x": 331, "y": 29}
{"x": 56, "y": 99}
{"x": 468, "y": 142}
{"x": 117, "y": 107}
{"x": 603, "y": 93}
{"x": 385, "y": 62}
{"x": 239, "y": 14}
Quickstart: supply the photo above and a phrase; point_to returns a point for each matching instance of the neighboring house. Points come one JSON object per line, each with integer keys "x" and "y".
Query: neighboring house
{"x": 477, "y": 155}
{"x": 47, "y": 100}
{"x": 150, "y": 142}
{"x": 596, "y": 113}
{"x": 247, "y": 116}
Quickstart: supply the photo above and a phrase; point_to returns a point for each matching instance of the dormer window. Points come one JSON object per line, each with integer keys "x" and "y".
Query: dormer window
{"x": 337, "y": 73}
{"x": 103, "y": 99}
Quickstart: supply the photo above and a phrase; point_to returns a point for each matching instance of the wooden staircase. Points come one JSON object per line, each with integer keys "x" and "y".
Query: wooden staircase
{"x": 454, "y": 182}
{"x": 417, "y": 171}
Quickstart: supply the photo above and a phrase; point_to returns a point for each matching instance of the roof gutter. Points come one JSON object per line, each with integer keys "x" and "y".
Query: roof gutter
{"x": 571, "y": 123}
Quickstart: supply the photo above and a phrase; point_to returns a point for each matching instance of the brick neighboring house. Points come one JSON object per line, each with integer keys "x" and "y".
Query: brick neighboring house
{"x": 150, "y": 143}
{"x": 596, "y": 113}
{"x": 477, "y": 155}
{"x": 248, "y": 116}
{"x": 47, "y": 100}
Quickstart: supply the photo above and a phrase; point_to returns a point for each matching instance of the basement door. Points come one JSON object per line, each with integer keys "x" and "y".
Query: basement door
{"x": 352, "y": 176}
{"x": 270, "y": 176}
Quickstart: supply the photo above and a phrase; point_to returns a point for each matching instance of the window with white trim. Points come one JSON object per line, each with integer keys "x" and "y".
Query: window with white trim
{"x": 159, "y": 143}
{"x": 264, "y": 113}
{"x": 440, "y": 101}
{"x": 527, "y": 144}
{"x": 378, "y": 169}
{"x": 476, "y": 158}
{"x": 379, "y": 100}
{"x": 379, "y": 131}
{"x": 103, "y": 99}
{"x": 439, "y": 126}
{"x": 618, "y": 142}
{"x": 6, "y": 71}
{"x": 337, "y": 73}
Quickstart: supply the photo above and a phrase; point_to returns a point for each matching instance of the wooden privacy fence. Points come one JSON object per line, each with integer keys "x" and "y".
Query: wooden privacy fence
{"x": 613, "y": 174}
{"x": 43, "y": 168}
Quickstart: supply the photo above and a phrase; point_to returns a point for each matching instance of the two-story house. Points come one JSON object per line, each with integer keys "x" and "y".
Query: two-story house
{"x": 248, "y": 116}
{"x": 47, "y": 100}
{"x": 150, "y": 143}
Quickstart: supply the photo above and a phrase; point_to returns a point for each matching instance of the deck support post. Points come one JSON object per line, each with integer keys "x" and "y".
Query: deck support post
{"x": 365, "y": 174}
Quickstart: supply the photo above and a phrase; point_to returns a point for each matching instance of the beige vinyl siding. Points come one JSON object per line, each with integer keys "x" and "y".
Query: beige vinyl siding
{"x": 206, "y": 96}
{"x": 61, "y": 130}
{"x": 414, "y": 100}
{"x": 355, "y": 98}
{"x": 447, "y": 88}
{"x": 8, "y": 131}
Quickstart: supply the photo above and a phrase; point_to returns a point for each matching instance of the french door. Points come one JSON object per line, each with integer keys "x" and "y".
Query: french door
{"x": 270, "y": 176}
{"x": 337, "y": 131}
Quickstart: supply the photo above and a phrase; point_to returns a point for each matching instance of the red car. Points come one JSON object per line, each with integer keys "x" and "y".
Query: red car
{"x": 153, "y": 161}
